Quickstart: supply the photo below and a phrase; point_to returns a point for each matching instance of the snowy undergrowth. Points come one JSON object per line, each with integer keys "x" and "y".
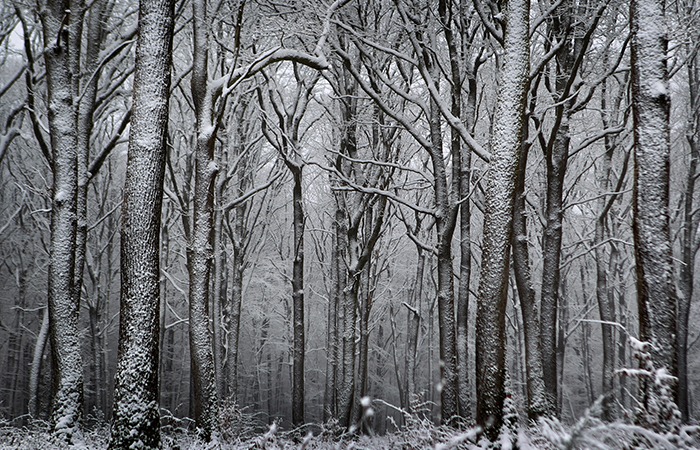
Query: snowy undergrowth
{"x": 589, "y": 432}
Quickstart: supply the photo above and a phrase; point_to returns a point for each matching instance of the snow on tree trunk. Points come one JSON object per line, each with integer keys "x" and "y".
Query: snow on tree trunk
{"x": 445, "y": 220}
{"x": 329, "y": 397}
{"x": 652, "y": 243}
{"x": 461, "y": 162}
{"x": 63, "y": 306}
{"x": 606, "y": 307}
{"x": 136, "y": 422}
{"x": 35, "y": 371}
{"x": 538, "y": 403}
{"x": 688, "y": 241}
{"x": 200, "y": 255}
{"x": 498, "y": 220}
{"x": 413, "y": 330}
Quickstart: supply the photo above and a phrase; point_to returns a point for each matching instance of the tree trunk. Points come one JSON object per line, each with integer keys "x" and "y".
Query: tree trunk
{"x": 605, "y": 308}
{"x": 135, "y": 422}
{"x": 688, "y": 242}
{"x": 334, "y": 299}
{"x": 298, "y": 351}
{"x": 200, "y": 256}
{"x": 35, "y": 371}
{"x": 445, "y": 225}
{"x": 538, "y": 402}
{"x": 412, "y": 333}
{"x": 63, "y": 307}
{"x": 650, "y": 226}
{"x": 498, "y": 220}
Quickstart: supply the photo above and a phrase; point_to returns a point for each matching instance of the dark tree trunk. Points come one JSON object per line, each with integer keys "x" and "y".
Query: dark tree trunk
{"x": 689, "y": 244}
{"x": 298, "y": 351}
{"x": 538, "y": 402}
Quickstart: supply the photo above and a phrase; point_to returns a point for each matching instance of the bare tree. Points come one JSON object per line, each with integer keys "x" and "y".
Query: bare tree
{"x": 62, "y": 42}
{"x": 286, "y": 135}
{"x": 498, "y": 219}
{"x": 136, "y": 420}
{"x": 652, "y": 242}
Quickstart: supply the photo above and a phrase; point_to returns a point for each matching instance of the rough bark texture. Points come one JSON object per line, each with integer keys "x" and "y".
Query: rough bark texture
{"x": 498, "y": 220}
{"x": 557, "y": 154}
{"x": 63, "y": 306}
{"x": 651, "y": 104}
{"x": 200, "y": 254}
{"x": 135, "y": 423}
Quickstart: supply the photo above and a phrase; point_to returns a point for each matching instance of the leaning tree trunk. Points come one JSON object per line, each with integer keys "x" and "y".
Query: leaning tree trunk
{"x": 498, "y": 220}
{"x": 136, "y": 422}
{"x": 650, "y": 226}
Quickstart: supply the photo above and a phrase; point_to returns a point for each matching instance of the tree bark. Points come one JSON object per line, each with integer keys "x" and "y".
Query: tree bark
{"x": 538, "y": 402}
{"x": 200, "y": 255}
{"x": 63, "y": 306}
{"x": 498, "y": 220}
{"x": 689, "y": 243}
{"x": 298, "y": 350}
{"x": 651, "y": 104}
{"x": 135, "y": 422}
{"x": 35, "y": 370}
{"x": 334, "y": 301}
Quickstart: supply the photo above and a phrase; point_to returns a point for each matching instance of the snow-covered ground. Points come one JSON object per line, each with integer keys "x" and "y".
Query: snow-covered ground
{"x": 587, "y": 433}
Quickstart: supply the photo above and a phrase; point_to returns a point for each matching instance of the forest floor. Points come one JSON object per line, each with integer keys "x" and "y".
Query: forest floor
{"x": 587, "y": 433}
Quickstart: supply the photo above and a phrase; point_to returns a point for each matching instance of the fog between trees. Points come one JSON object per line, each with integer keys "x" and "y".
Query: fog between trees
{"x": 303, "y": 210}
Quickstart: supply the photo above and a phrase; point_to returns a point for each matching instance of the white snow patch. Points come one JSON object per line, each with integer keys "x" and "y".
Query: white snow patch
{"x": 659, "y": 89}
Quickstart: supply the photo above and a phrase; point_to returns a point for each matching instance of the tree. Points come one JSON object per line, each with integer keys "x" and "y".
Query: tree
{"x": 285, "y": 135}
{"x": 690, "y": 219}
{"x": 62, "y": 42}
{"x": 656, "y": 301}
{"x": 498, "y": 219}
{"x": 136, "y": 420}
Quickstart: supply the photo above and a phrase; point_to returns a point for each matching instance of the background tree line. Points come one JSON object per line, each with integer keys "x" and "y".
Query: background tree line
{"x": 293, "y": 206}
